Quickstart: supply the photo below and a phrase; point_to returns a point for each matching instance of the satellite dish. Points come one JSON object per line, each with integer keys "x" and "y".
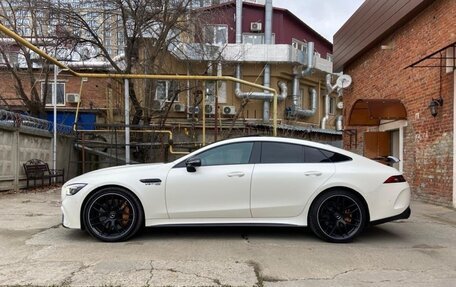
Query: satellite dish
{"x": 340, "y": 105}
{"x": 344, "y": 81}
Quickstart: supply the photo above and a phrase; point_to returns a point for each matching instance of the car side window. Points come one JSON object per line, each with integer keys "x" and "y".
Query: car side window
{"x": 236, "y": 153}
{"x": 272, "y": 152}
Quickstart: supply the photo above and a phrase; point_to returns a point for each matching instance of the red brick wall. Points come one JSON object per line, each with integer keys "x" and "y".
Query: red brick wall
{"x": 94, "y": 92}
{"x": 428, "y": 142}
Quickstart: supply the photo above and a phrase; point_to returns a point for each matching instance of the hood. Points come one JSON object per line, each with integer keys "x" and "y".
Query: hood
{"x": 123, "y": 169}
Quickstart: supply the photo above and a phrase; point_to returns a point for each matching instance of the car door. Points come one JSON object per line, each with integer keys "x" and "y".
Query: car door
{"x": 286, "y": 176}
{"x": 219, "y": 188}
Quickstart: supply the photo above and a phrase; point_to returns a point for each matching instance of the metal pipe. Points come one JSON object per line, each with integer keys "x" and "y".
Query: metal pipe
{"x": 170, "y": 138}
{"x": 310, "y": 59}
{"x": 329, "y": 89}
{"x": 204, "y": 112}
{"x": 266, "y": 83}
{"x": 127, "y": 121}
{"x": 238, "y": 21}
{"x": 54, "y": 105}
{"x": 268, "y": 22}
{"x": 324, "y": 120}
{"x": 339, "y": 123}
{"x": 267, "y": 66}
{"x": 27, "y": 44}
{"x": 298, "y": 111}
{"x": 265, "y": 96}
{"x": 78, "y": 106}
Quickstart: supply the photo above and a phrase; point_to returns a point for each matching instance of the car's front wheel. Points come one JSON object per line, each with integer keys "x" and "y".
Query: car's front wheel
{"x": 112, "y": 214}
{"x": 337, "y": 216}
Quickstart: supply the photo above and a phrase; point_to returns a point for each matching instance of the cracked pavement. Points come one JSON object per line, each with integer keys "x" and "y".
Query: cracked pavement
{"x": 37, "y": 251}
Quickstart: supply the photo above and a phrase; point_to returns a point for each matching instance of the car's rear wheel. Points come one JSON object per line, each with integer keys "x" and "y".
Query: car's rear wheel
{"x": 337, "y": 216}
{"x": 112, "y": 214}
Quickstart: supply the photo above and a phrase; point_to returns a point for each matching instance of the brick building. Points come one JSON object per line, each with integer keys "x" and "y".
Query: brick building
{"x": 237, "y": 33}
{"x": 101, "y": 98}
{"x": 401, "y": 56}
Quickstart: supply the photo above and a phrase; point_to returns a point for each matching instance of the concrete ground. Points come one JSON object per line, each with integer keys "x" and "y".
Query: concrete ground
{"x": 35, "y": 250}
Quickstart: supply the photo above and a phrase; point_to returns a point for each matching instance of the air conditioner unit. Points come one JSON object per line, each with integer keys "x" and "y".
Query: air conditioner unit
{"x": 229, "y": 110}
{"x": 72, "y": 98}
{"x": 192, "y": 109}
{"x": 209, "y": 109}
{"x": 179, "y": 108}
{"x": 255, "y": 26}
{"x": 158, "y": 105}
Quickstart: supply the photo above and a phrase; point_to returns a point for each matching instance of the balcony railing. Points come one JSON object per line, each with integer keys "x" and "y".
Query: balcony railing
{"x": 247, "y": 53}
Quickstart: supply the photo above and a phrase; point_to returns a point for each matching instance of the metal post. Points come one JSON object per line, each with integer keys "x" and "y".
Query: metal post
{"x": 116, "y": 146}
{"x": 54, "y": 104}
{"x": 204, "y": 112}
{"x": 216, "y": 117}
{"x": 127, "y": 121}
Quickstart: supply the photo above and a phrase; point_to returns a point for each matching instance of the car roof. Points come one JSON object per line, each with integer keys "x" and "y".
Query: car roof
{"x": 283, "y": 140}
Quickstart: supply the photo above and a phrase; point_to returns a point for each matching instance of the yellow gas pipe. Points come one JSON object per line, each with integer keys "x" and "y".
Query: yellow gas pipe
{"x": 54, "y": 61}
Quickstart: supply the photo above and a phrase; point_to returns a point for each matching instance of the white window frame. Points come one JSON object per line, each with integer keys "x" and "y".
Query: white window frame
{"x": 167, "y": 89}
{"x": 12, "y": 59}
{"x": 256, "y": 35}
{"x": 51, "y": 83}
{"x": 298, "y": 44}
{"x": 393, "y": 125}
{"x": 332, "y": 105}
{"x": 330, "y": 57}
{"x": 450, "y": 61}
{"x": 214, "y": 29}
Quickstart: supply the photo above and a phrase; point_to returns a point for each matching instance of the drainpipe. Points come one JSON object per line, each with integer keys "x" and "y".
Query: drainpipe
{"x": 297, "y": 110}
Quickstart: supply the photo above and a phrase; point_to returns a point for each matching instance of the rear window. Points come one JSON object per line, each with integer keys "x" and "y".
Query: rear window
{"x": 315, "y": 155}
{"x": 335, "y": 157}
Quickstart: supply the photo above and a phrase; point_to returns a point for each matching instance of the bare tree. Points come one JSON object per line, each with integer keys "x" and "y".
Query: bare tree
{"x": 26, "y": 18}
{"x": 113, "y": 29}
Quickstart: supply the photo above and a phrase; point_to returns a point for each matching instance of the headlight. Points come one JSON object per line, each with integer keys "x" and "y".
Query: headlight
{"x": 72, "y": 189}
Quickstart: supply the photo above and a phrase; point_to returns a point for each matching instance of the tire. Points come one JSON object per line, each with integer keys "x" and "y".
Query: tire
{"x": 112, "y": 214}
{"x": 337, "y": 216}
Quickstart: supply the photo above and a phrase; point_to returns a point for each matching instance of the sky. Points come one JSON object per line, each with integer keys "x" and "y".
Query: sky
{"x": 324, "y": 16}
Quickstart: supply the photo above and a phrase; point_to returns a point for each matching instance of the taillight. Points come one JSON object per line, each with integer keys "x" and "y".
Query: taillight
{"x": 395, "y": 179}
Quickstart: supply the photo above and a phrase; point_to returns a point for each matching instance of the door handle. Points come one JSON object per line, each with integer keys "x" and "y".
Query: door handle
{"x": 236, "y": 173}
{"x": 315, "y": 173}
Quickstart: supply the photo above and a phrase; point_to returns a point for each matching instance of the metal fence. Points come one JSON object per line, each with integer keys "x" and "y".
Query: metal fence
{"x": 16, "y": 120}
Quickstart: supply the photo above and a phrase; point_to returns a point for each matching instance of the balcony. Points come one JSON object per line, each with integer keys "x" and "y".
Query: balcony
{"x": 247, "y": 53}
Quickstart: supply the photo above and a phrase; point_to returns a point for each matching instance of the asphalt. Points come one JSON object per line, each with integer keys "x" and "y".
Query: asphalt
{"x": 36, "y": 251}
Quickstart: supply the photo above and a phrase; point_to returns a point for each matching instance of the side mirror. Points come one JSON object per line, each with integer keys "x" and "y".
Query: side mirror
{"x": 192, "y": 163}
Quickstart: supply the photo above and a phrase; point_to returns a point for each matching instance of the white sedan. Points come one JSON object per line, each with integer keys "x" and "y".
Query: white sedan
{"x": 249, "y": 180}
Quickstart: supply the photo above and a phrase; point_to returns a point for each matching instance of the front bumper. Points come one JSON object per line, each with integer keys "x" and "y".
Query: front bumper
{"x": 403, "y": 215}
{"x": 70, "y": 208}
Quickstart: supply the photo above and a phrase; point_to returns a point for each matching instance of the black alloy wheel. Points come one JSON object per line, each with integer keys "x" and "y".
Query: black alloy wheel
{"x": 112, "y": 214}
{"x": 337, "y": 216}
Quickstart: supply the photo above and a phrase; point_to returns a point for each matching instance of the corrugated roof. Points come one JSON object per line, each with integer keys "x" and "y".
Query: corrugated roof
{"x": 300, "y": 129}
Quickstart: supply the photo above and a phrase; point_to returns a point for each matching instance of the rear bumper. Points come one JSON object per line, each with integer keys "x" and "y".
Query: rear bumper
{"x": 403, "y": 215}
